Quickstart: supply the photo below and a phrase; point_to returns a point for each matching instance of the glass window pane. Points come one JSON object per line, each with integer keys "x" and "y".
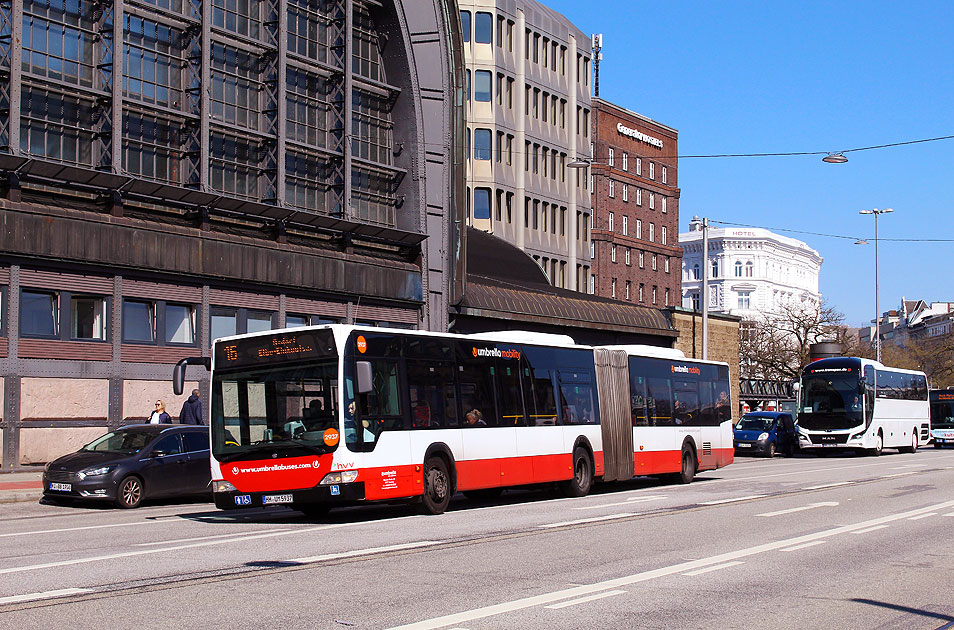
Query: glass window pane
{"x": 481, "y": 203}
{"x": 180, "y": 326}
{"x": 482, "y": 139}
{"x": 139, "y": 321}
{"x": 259, "y": 322}
{"x": 482, "y": 85}
{"x": 39, "y": 314}
{"x": 465, "y": 24}
{"x": 223, "y": 323}
{"x": 296, "y": 321}
{"x": 483, "y": 28}
{"x": 88, "y": 318}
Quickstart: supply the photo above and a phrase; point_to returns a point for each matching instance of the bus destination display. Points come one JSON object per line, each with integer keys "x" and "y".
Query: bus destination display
{"x": 271, "y": 349}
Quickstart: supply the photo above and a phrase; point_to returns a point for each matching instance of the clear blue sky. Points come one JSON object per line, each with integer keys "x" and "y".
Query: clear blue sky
{"x": 773, "y": 77}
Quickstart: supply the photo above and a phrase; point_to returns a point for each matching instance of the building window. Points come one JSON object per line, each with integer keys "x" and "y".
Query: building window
{"x": 483, "y": 28}
{"x": 482, "y": 140}
{"x": 652, "y": 170}
{"x": 56, "y": 126}
{"x": 59, "y": 40}
{"x": 653, "y": 262}
{"x": 628, "y": 284}
{"x": 639, "y": 167}
{"x": 745, "y": 300}
{"x": 482, "y": 86}
{"x": 151, "y": 62}
{"x": 613, "y": 253}
{"x": 663, "y": 200}
{"x": 481, "y": 203}
{"x": 664, "y": 175}
{"x": 628, "y": 261}
{"x": 625, "y": 219}
{"x": 143, "y": 319}
{"x": 639, "y": 228}
{"x": 738, "y": 269}
{"x": 465, "y": 24}
{"x": 652, "y": 232}
{"x": 39, "y": 314}
{"x": 241, "y": 17}
{"x": 666, "y": 264}
{"x": 663, "y": 240}
{"x": 625, "y": 192}
{"x": 655, "y": 288}
{"x": 695, "y": 272}
{"x": 652, "y": 201}
{"x": 612, "y": 188}
{"x": 625, "y": 161}
{"x": 613, "y": 288}
{"x": 642, "y": 260}
{"x": 641, "y": 289}
{"x": 715, "y": 268}
{"x": 611, "y": 159}
{"x": 228, "y": 321}
{"x": 749, "y": 269}
{"x": 236, "y": 87}
{"x": 139, "y": 321}
{"x": 639, "y": 196}
{"x": 592, "y": 250}
{"x": 611, "y": 221}
{"x": 87, "y": 317}
{"x": 299, "y": 321}
{"x": 694, "y": 298}
{"x": 180, "y": 323}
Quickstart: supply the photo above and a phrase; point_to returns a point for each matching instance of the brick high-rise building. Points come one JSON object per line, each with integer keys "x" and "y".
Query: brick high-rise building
{"x": 635, "y": 199}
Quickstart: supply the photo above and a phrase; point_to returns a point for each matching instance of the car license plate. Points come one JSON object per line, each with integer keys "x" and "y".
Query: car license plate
{"x": 63, "y": 487}
{"x": 740, "y": 445}
{"x": 277, "y": 498}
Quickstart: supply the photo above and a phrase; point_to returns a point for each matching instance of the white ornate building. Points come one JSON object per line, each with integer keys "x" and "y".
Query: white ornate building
{"x": 752, "y": 271}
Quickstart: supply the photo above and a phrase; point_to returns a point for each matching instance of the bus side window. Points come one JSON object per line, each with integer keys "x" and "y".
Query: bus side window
{"x": 431, "y": 394}
{"x": 660, "y": 402}
{"x": 507, "y": 373}
{"x": 577, "y": 397}
{"x": 475, "y": 382}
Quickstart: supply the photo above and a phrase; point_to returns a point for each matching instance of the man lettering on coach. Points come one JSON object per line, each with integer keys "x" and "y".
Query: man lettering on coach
{"x": 191, "y": 410}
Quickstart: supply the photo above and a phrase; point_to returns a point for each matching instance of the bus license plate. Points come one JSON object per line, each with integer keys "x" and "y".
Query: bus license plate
{"x": 63, "y": 487}
{"x": 277, "y": 498}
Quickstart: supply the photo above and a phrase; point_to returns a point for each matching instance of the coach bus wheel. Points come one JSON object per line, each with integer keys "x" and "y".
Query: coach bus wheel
{"x": 437, "y": 486}
{"x": 879, "y": 445}
{"x": 914, "y": 445}
{"x": 582, "y": 481}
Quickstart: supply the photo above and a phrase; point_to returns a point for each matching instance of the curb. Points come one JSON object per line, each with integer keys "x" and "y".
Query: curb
{"x": 20, "y": 497}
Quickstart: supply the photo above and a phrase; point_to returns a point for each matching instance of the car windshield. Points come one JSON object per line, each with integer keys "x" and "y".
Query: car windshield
{"x": 127, "y": 442}
{"x": 755, "y": 423}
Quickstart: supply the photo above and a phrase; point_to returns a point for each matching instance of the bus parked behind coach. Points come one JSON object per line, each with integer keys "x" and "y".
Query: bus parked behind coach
{"x": 942, "y": 417}
{"x": 336, "y": 414}
{"x": 855, "y": 403}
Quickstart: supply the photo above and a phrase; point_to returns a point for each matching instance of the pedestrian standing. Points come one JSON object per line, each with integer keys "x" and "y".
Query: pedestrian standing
{"x": 159, "y": 415}
{"x": 191, "y": 410}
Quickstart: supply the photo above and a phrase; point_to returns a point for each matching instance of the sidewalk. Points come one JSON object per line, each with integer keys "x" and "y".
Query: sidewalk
{"x": 21, "y": 486}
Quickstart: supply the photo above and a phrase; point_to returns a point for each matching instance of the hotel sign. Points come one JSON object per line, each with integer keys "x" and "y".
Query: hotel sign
{"x": 638, "y": 135}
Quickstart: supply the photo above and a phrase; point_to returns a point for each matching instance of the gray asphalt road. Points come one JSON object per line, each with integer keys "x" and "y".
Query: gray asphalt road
{"x": 844, "y": 542}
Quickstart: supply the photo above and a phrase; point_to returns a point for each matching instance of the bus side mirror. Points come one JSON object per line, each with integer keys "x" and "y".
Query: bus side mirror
{"x": 178, "y": 372}
{"x": 861, "y": 385}
{"x": 363, "y": 373}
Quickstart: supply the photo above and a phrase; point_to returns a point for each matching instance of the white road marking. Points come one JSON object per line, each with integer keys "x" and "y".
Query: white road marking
{"x": 951, "y": 514}
{"x": 810, "y": 506}
{"x": 30, "y": 597}
{"x": 583, "y": 600}
{"x": 920, "y": 516}
{"x": 733, "y": 500}
{"x": 616, "y": 583}
{"x": 869, "y": 529}
{"x": 234, "y": 536}
{"x": 595, "y": 519}
{"x": 628, "y": 501}
{"x": 805, "y": 545}
{"x": 715, "y": 568}
{"x": 904, "y": 474}
{"x": 367, "y": 552}
{"x": 74, "y": 529}
{"x": 142, "y": 552}
{"x": 829, "y": 485}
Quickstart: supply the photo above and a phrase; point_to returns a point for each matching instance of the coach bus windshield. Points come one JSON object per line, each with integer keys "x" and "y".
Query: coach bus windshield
{"x": 288, "y": 411}
{"x": 942, "y": 410}
{"x": 830, "y": 400}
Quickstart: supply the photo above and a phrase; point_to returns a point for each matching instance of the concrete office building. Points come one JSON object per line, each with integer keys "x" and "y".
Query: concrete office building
{"x": 528, "y": 115}
{"x": 175, "y": 171}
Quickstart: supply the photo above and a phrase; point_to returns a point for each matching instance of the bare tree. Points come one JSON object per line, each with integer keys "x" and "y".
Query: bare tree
{"x": 932, "y": 355}
{"x": 776, "y": 346}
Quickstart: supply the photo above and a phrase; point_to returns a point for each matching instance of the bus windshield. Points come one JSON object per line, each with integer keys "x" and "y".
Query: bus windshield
{"x": 284, "y": 411}
{"x": 942, "y": 410}
{"x": 830, "y": 400}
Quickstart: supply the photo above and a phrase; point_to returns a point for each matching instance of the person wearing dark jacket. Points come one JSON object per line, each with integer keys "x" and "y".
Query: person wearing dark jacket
{"x": 191, "y": 410}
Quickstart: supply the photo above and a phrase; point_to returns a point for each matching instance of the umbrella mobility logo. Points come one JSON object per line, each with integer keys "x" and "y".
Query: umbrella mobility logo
{"x": 495, "y": 353}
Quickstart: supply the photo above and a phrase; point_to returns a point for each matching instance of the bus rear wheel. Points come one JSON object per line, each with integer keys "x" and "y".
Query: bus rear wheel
{"x": 914, "y": 444}
{"x": 582, "y": 481}
{"x": 437, "y": 486}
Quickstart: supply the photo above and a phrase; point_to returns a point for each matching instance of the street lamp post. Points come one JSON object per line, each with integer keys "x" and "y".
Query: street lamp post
{"x": 877, "y": 321}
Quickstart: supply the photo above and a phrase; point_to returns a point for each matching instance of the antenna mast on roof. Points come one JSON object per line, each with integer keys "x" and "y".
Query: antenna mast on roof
{"x": 597, "y": 43}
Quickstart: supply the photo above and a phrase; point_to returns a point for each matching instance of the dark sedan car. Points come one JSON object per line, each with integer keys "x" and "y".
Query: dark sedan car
{"x": 133, "y": 463}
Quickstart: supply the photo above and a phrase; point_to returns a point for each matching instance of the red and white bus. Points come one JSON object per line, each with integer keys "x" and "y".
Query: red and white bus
{"x": 323, "y": 416}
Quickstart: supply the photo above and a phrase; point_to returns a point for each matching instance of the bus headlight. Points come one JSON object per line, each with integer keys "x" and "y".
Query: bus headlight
{"x": 223, "y": 486}
{"x": 763, "y": 437}
{"x": 346, "y": 476}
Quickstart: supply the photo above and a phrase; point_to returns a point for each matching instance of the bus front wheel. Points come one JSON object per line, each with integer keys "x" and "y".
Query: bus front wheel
{"x": 688, "y": 466}
{"x": 879, "y": 446}
{"x": 437, "y": 486}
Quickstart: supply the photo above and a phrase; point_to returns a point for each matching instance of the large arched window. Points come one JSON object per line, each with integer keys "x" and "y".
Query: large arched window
{"x": 738, "y": 269}
{"x": 749, "y": 268}
{"x": 695, "y": 271}
{"x": 715, "y": 268}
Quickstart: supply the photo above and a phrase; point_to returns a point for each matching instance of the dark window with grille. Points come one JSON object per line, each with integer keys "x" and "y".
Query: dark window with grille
{"x": 56, "y": 126}
{"x": 371, "y": 127}
{"x": 307, "y": 111}
{"x": 236, "y": 87}
{"x": 307, "y": 184}
{"x": 239, "y": 16}
{"x": 308, "y": 30}
{"x": 366, "y": 56}
{"x": 58, "y": 40}
{"x": 235, "y": 165}
{"x": 151, "y": 147}
{"x": 152, "y": 62}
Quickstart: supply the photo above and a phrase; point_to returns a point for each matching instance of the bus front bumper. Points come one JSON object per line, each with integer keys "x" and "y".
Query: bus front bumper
{"x": 333, "y": 495}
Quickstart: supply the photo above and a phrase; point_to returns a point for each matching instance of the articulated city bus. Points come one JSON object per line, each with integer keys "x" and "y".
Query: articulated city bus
{"x": 942, "y": 417}
{"x": 854, "y": 403}
{"x": 323, "y": 416}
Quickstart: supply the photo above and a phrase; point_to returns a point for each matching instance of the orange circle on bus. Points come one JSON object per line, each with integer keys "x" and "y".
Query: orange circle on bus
{"x": 331, "y": 437}
{"x": 362, "y": 344}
